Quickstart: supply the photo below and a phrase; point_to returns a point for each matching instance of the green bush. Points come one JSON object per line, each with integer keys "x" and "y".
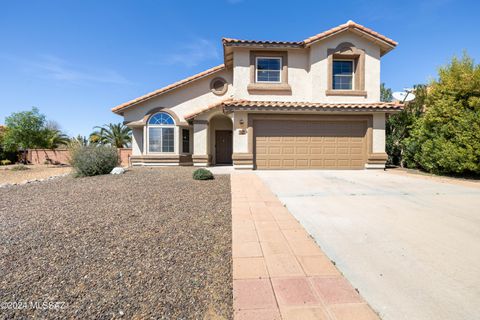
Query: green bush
{"x": 202, "y": 174}
{"x": 93, "y": 160}
{"x": 19, "y": 167}
{"x": 446, "y": 139}
{"x": 5, "y": 162}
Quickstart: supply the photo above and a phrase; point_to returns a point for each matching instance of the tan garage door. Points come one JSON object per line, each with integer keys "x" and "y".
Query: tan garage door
{"x": 282, "y": 144}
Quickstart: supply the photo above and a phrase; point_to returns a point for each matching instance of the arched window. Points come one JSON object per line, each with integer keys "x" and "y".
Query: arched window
{"x": 161, "y": 128}
{"x": 161, "y": 118}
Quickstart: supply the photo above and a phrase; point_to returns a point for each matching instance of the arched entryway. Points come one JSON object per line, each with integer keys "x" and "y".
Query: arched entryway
{"x": 221, "y": 139}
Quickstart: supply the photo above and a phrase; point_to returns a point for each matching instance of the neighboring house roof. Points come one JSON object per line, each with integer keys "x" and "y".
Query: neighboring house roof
{"x": 119, "y": 108}
{"x": 230, "y": 104}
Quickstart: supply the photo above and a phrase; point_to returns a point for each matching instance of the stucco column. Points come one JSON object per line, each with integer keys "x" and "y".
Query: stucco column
{"x": 201, "y": 157}
{"x": 378, "y": 157}
{"x": 137, "y": 141}
{"x": 242, "y": 141}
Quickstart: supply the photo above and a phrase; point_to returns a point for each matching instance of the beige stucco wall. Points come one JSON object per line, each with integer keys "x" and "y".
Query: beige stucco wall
{"x": 240, "y": 141}
{"x": 378, "y": 143}
{"x": 183, "y": 100}
{"x": 319, "y": 71}
{"x": 307, "y": 72}
{"x": 297, "y": 77}
{"x": 200, "y": 138}
{"x": 137, "y": 141}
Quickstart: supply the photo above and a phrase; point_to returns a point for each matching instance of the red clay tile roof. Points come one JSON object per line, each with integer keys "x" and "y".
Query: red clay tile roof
{"x": 314, "y": 105}
{"x": 227, "y": 41}
{"x": 230, "y": 105}
{"x": 348, "y": 25}
{"x": 207, "y": 108}
{"x": 172, "y": 86}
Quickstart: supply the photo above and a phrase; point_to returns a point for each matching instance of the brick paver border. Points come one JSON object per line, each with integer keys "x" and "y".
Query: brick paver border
{"x": 279, "y": 272}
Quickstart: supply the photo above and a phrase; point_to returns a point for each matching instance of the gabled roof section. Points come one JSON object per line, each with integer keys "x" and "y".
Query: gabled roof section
{"x": 386, "y": 44}
{"x": 350, "y": 25}
{"x": 118, "y": 109}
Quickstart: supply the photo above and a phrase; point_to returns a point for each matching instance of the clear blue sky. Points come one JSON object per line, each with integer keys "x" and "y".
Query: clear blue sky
{"x": 76, "y": 59}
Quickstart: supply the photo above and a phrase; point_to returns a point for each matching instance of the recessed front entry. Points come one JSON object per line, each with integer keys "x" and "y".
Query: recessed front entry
{"x": 223, "y": 147}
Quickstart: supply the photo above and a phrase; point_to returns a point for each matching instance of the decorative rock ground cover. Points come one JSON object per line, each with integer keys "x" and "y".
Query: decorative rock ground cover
{"x": 151, "y": 243}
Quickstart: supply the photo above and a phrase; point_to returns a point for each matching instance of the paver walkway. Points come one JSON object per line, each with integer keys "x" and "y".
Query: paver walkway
{"x": 279, "y": 272}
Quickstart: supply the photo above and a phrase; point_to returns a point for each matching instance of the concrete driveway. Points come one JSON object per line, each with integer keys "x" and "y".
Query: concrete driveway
{"x": 410, "y": 245}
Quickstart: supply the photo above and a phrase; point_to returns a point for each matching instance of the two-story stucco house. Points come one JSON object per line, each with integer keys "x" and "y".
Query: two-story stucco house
{"x": 272, "y": 105}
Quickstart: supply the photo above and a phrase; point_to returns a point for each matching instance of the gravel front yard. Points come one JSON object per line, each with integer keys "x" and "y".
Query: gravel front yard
{"x": 33, "y": 172}
{"x": 152, "y": 243}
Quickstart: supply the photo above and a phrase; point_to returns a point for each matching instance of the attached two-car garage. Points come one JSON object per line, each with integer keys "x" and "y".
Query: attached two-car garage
{"x": 327, "y": 142}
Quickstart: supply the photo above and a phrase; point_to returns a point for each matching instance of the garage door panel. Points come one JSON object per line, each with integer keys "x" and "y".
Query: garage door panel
{"x": 302, "y": 150}
{"x": 275, "y": 150}
{"x": 302, "y": 163}
{"x": 329, "y": 151}
{"x": 281, "y": 144}
{"x": 316, "y": 139}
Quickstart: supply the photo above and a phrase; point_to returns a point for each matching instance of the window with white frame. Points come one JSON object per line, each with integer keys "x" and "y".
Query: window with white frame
{"x": 161, "y": 133}
{"x": 268, "y": 69}
{"x": 342, "y": 75}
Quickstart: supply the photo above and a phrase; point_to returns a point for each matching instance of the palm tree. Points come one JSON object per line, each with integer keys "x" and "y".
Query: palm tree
{"x": 114, "y": 134}
{"x": 54, "y": 138}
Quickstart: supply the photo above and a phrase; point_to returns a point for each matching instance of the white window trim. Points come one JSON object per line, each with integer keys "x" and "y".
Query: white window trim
{"x": 353, "y": 74}
{"x": 280, "y": 71}
{"x": 148, "y": 126}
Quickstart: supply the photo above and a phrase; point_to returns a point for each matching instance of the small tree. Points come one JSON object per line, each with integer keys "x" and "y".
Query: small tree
{"x": 446, "y": 139}
{"x": 385, "y": 93}
{"x": 25, "y": 131}
{"x": 398, "y": 127}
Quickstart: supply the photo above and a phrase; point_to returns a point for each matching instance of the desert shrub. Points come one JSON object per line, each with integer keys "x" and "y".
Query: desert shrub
{"x": 5, "y": 162}
{"x": 94, "y": 160}
{"x": 202, "y": 174}
{"x": 19, "y": 167}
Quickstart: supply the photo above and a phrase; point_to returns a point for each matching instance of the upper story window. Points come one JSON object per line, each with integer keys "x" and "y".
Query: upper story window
{"x": 342, "y": 75}
{"x": 268, "y": 69}
{"x": 160, "y": 132}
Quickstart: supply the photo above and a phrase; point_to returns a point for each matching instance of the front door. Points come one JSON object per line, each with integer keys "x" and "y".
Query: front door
{"x": 223, "y": 147}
